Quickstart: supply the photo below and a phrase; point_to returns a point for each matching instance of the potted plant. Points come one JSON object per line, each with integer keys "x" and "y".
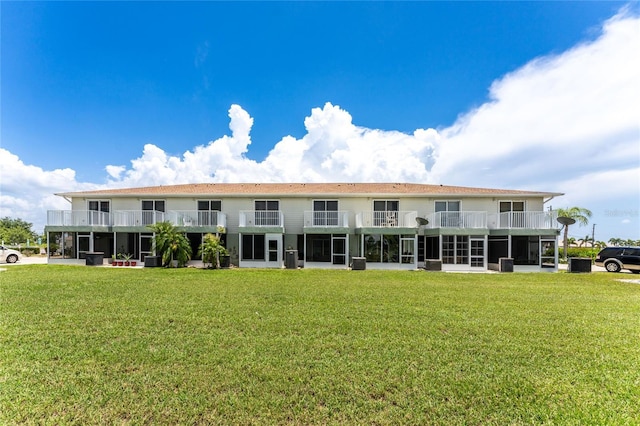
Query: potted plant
{"x": 118, "y": 261}
{"x": 127, "y": 259}
{"x": 212, "y": 251}
{"x": 171, "y": 244}
{"x": 112, "y": 260}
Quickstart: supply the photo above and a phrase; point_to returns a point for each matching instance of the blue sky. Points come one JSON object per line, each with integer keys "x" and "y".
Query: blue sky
{"x": 127, "y": 94}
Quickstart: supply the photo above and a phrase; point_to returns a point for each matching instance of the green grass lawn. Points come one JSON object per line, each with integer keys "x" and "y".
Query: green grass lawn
{"x": 145, "y": 346}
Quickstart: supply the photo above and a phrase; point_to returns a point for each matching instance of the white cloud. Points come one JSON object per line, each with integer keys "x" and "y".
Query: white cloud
{"x": 565, "y": 123}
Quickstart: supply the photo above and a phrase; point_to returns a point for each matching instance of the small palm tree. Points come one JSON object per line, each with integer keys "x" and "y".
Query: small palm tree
{"x": 211, "y": 249}
{"x": 579, "y": 214}
{"x": 171, "y": 244}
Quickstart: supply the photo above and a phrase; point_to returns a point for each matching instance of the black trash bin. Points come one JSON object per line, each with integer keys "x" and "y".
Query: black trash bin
{"x": 291, "y": 259}
{"x": 95, "y": 258}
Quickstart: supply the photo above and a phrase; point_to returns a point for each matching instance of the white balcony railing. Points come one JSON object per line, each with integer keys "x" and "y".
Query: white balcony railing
{"x": 524, "y": 220}
{"x": 78, "y": 218}
{"x": 137, "y": 217}
{"x": 331, "y": 219}
{"x": 464, "y": 220}
{"x": 264, "y": 218}
{"x": 197, "y": 218}
{"x": 386, "y": 219}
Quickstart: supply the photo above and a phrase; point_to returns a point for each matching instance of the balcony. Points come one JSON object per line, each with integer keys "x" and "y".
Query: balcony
{"x": 326, "y": 219}
{"x": 459, "y": 220}
{"x": 78, "y": 218}
{"x": 137, "y": 217}
{"x": 523, "y": 220}
{"x": 386, "y": 219}
{"x": 261, "y": 219}
{"x": 197, "y": 218}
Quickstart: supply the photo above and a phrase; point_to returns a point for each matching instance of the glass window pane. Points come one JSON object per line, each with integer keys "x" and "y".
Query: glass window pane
{"x": 319, "y": 206}
{"x": 332, "y": 206}
{"x": 454, "y": 206}
{"x": 518, "y": 206}
{"x": 505, "y": 206}
{"x": 159, "y": 206}
{"x": 260, "y": 205}
{"x": 216, "y": 205}
{"x": 379, "y": 206}
{"x": 441, "y": 206}
{"x": 203, "y": 205}
{"x": 147, "y": 205}
{"x": 272, "y": 206}
{"x": 93, "y": 206}
{"x": 393, "y": 206}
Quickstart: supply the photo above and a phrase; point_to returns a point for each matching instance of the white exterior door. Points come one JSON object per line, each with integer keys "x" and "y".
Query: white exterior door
{"x": 273, "y": 250}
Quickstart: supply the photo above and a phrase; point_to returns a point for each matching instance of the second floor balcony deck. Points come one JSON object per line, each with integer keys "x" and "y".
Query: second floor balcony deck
{"x": 386, "y": 219}
{"x": 524, "y": 220}
{"x": 326, "y": 219}
{"x": 261, "y": 219}
{"x": 460, "y": 220}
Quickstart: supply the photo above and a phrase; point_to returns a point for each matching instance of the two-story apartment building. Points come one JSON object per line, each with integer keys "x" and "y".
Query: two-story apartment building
{"x": 391, "y": 225}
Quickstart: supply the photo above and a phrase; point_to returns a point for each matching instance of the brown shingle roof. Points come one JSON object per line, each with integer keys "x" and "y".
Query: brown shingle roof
{"x": 303, "y": 189}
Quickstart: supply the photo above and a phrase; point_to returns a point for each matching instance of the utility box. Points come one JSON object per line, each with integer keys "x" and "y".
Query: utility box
{"x": 505, "y": 264}
{"x": 579, "y": 264}
{"x": 94, "y": 258}
{"x": 291, "y": 259}
{"x": 152, "y": 261}
{"x": 359, "y": 264}
{"x": 433, "y": 265}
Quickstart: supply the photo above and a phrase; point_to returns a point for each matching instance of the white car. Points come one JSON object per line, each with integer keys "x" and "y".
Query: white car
{"x": 8, "y": 255}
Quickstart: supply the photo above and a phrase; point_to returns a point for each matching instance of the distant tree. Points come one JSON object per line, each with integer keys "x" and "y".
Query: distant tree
{"x": 585, "y": 241}
{"x": 615, "y": 242}
{"x": 580, "y": 214}
{"x": 571, "y": 241}
{"x": 16, "y": 231}
{"x": 600, "y": 244}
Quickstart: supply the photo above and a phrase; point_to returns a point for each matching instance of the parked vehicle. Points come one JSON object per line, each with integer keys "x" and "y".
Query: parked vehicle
{"x": 8, "y": 255}
{"x": 614, "y": 259}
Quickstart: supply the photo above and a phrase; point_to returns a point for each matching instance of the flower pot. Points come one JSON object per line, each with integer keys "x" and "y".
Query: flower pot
{"x": 127, "y": 263}
{"x": 133, "y": 263}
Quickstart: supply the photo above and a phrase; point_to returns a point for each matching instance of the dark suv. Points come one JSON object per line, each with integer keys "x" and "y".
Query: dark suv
{"x": 616, "y": 258}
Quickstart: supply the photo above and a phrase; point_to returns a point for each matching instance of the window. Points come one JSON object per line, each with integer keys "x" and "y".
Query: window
{"x": 97, "y": 214}
{"x": 455, "y": 249}
{"x": 325, "y": 213}
{"x": 253, "y": 247}
{"x": 208, "y": 212}
{"x": 383, "y": 248}
{"x": 99, "y": 206}
{"x": 449, "y": 212}
{"x": 408, "y": 246}
{"x": 512, "y": 214}
{"x": 150, "y": 209}
{"x": 498, "y": 247}
{"x": 319, "y": 248}
{"x": 432, "y": 248}
{"x": 267, "y": 212}
{"x": 525, "y": 250}
{"x": 385, "y": 213}
{"x": 477, "y": 252}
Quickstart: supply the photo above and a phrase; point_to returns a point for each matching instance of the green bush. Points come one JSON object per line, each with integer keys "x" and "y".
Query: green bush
{"x": 580, "y": 252}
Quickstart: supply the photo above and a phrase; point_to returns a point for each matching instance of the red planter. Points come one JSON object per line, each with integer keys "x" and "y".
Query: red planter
{"x": 133, "y": 263}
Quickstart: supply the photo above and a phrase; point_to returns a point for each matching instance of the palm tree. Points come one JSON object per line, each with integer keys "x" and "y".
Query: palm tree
{"x": 171, "y": 244}
{"x": 211, "y": 249}
{"x": 579, "y": 214}
{"x": 615, "y": 242}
